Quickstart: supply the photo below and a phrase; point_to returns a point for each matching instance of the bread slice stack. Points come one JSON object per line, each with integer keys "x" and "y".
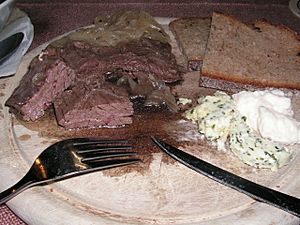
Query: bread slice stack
{"x": 239, "y": 56}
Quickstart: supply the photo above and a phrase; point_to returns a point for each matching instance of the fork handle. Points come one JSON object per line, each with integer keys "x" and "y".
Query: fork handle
{"x": 26, "y": 182}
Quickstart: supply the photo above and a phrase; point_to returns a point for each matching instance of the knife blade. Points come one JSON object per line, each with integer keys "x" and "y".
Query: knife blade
{"x": 256, "y": 191}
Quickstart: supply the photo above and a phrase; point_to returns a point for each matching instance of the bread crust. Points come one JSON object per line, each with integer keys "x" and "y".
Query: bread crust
{"x": 256, "y": 23}
{"x": 260, "y": 84}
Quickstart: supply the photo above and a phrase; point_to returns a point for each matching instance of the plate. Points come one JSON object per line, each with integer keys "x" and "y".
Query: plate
{"x": 164, "y": 193}
{"x": 18, "y": 22}
{"x": 295, "y": 7}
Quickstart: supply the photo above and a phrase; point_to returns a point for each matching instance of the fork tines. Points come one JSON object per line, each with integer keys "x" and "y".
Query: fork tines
{"x": 103, "y": 153}
{"x": 96, "y": 147}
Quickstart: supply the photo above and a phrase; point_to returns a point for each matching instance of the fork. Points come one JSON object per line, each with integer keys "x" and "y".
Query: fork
{"x": 72, "y": 157}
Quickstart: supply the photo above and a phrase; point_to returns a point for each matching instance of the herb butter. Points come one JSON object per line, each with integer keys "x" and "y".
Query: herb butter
{"x": 213, "y": 116}
{"x": 219, "y": 121}
{"x": 255, "y": 150}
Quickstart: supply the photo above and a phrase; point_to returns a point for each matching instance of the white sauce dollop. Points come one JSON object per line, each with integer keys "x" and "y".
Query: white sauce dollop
{"x": 270, "y": 114}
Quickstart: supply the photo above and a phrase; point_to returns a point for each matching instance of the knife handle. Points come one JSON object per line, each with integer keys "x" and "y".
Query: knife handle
{"x": 270, "y": 196}
{"x": 256, "y": 191}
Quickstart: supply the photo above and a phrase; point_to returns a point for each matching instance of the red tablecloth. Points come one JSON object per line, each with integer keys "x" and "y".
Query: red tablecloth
{"x": 52, "y": 18}
{"x": 8, "y": 217}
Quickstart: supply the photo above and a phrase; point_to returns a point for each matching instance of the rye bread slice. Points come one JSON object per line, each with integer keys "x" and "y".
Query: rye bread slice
{"x": 264, "y": 55}
{"x": 192, "y": 35}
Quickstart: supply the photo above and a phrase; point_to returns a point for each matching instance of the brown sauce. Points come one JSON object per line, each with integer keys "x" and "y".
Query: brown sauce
{"x": 147, "y": 122}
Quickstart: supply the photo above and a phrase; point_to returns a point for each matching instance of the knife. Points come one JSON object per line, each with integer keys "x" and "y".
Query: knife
{"x": 258, "y": 192}
{"x": 9, "y": 45}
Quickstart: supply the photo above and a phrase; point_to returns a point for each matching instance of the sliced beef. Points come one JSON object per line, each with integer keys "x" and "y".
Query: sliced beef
{"x": 87, "y": 106}
{"x": 146, "y": 57}
{"x": 134, "y": 59}
{"x": 39, "y": 87}
{"x": 76, "y": 78}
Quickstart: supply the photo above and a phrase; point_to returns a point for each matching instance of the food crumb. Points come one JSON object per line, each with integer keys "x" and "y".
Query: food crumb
{"x": 184, "y": 101}
{"x": 44, "y": 142}
{"x": 25, "y": 137}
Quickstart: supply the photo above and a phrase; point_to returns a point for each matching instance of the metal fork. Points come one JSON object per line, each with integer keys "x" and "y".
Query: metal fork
{"x": 72, "y": 157}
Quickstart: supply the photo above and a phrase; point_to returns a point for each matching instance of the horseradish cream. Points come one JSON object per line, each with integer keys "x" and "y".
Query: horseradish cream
{"x": 270, "y": 114}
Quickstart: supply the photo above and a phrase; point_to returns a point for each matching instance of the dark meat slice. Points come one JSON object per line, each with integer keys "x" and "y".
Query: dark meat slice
{"x": 146, "y": 57}
{"x": 39, "y": 87}
{"x": 87, "y": 106}
{"x": 110, "y": 105}
{"x": 49, "y": 74}
{"x": 79, "y": 54}
{"x": 135, "y": 58}
{"x": 77, "y": 64}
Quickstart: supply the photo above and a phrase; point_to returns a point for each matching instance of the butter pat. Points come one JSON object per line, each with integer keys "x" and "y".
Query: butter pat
{"x": 270, "y": 114}
{"x": 213, "y": 116}
{"x": 254, "y": 150}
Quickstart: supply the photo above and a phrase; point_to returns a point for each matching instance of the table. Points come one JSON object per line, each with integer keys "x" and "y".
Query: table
{"x": 52, "y": 18}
